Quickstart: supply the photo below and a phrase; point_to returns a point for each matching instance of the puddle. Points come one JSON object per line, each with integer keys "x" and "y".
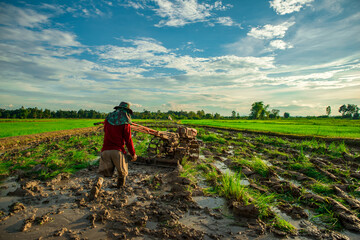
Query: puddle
{"x": 296, "y": 183}
{"x": 351, "y": 235}
{"x": 201, "y": 182}
{"x": 210, "y": 202}
{"x": 267, "y": 162}
{"x": 223, "y": 168}
{"x": 151, "y": 225}
{"x": 9, "y": 185}
{"x": 226, "y": 226}
{"x": 202, "y": 157}
{"x": 295, "y": 223}
{"x": 132, "y": 199}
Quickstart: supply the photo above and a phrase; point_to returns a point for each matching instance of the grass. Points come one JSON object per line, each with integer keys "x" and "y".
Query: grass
{"x": 283, "y": 225}
{"x": 231, "y": 188}
{"x": 255, "y": 164}
{"x": 19, "y": 127}
{"x": 49, "y": 159}
{"x": 343, "y": 128}
{"x": 322, "y": 189}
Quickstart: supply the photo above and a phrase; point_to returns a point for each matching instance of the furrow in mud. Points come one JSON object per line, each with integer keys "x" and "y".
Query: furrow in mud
{"x": 339, "y": 174}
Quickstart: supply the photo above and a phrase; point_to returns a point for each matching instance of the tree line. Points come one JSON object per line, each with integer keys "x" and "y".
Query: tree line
{"x": 29, "y": 113}
{"x": 261, "y": 111}
{"x": 258, "y": 111}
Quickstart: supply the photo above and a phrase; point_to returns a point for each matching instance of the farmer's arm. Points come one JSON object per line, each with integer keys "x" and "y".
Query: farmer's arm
{"x": 129, "y": 142}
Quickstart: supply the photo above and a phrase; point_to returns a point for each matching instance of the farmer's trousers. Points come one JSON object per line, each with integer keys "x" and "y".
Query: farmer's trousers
{"x": 110, "y": 159}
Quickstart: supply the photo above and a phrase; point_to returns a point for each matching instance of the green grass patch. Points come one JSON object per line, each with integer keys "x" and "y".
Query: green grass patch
{"x": 231, "y": 188}
{"x": 212, "y": 137}
{"x": 322, "y": 188}
{"x": 49, "y": 159}
{"x": 255, "y": 164}
{"x": 302, "y": 126}
{"x": 19, "y": 127}
{"x": 282, "y": 225}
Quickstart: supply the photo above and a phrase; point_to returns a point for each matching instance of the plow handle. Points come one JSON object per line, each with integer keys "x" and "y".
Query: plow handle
{"x": 138, "y": 128}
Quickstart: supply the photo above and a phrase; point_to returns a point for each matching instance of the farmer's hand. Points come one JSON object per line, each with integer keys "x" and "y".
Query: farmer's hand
{"x": 133, "y": 158}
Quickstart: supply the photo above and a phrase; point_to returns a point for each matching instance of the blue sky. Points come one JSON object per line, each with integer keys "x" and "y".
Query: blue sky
{"x": 299, "y": 56}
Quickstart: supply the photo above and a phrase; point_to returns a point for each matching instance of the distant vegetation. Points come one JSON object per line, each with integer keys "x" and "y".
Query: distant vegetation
{"x": 31, "y": 113}
{"x": 258, "y": 111}
{"x": 328, "y": 127}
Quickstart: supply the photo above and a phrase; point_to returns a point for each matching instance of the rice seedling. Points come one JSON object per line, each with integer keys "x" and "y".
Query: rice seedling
{"x": 231, "y": 188}
{"x": 255, "y": 164}
{"x": 283, "y": 225}
{"x": 322, "y": 188}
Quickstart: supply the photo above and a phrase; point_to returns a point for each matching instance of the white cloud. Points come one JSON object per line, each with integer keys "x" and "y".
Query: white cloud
{"x": 14, "y": 16}
{"x": 283, "y": 7}
{"x": 181, "y": 12}
{"x": 49, "y": 36}
{"x": 280, "y": 44}
{"x": 136, "y": 5}
{"x": 146, "y": 48}
{"x": 270, "y": 31}
{"x": 227, "y": 21}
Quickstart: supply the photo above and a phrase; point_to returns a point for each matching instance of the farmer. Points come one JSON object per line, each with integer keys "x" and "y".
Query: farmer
{"x": 117, "y": 134}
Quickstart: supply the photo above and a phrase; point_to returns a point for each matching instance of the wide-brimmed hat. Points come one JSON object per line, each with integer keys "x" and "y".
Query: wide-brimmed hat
{"x": 124, "y": 105}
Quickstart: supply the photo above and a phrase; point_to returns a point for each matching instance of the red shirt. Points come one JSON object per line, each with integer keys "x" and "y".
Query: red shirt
{"x": 116, "y": 137}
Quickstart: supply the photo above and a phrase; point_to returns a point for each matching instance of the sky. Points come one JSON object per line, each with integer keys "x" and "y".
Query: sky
{"x": 298, "y": 56}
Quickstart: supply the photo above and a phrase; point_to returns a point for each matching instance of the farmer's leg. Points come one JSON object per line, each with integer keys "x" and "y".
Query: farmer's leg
{"x": 106, "y": 165}
{"x": 118, "y": 159}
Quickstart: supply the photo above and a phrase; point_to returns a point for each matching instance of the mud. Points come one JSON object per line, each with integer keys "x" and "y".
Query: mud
{"x": 282, "y": 180}
{"x": 154, "y": 204}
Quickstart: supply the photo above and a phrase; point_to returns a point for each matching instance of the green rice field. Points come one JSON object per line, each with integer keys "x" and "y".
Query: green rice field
{"x": 339, "y": 128}
{"x": 19, "y": 127}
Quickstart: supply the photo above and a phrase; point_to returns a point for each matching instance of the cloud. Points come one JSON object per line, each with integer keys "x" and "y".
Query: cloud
{"x": 280, "y": 44}
{"x": 227, "y": 21}
{"x": 283, "y": 7}
{"x": 51, "y": 37}
{"x": 14, "y": 16}
{"x": 181, "y": 12}
{"x": 270, "y": 31}
{"x": 316, "y": 42}
{"x": 144, "y": 49}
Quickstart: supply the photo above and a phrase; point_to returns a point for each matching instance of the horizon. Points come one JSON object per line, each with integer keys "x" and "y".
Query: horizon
{"x": 281, "y": 114}
{"x": 218, "y": 56}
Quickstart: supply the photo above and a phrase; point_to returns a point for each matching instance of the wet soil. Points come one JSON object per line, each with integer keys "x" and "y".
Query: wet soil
{"x": 341, "y": 172}
{"x": 154, "y": 204}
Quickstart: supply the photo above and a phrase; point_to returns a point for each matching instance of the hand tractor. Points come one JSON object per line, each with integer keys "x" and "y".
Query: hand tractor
{"x": 170, "y": 147}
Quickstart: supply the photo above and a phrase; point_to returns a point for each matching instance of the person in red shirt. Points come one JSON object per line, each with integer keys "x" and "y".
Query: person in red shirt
{"x": 117, "y": 134}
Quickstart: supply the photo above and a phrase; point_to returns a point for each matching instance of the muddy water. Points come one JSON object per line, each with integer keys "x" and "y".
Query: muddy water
{"x": 9, "y": 185}
{"x": 220, "y": 221}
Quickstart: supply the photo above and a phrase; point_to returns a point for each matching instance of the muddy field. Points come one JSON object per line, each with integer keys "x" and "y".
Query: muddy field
{"x": 313, "y": 187}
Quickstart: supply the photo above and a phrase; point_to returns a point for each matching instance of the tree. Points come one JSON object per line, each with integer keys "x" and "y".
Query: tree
{"x": 343, "y": 109}
{"x": 233, "y": 114}
{"x": 328, "y": 110}
{"x": 259, "y": 110}
{"x": 217, "y": 116}
{"x": 286, "y": 115}
{"x": 274, "y": 113}
{"x": 349, "y": 111}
